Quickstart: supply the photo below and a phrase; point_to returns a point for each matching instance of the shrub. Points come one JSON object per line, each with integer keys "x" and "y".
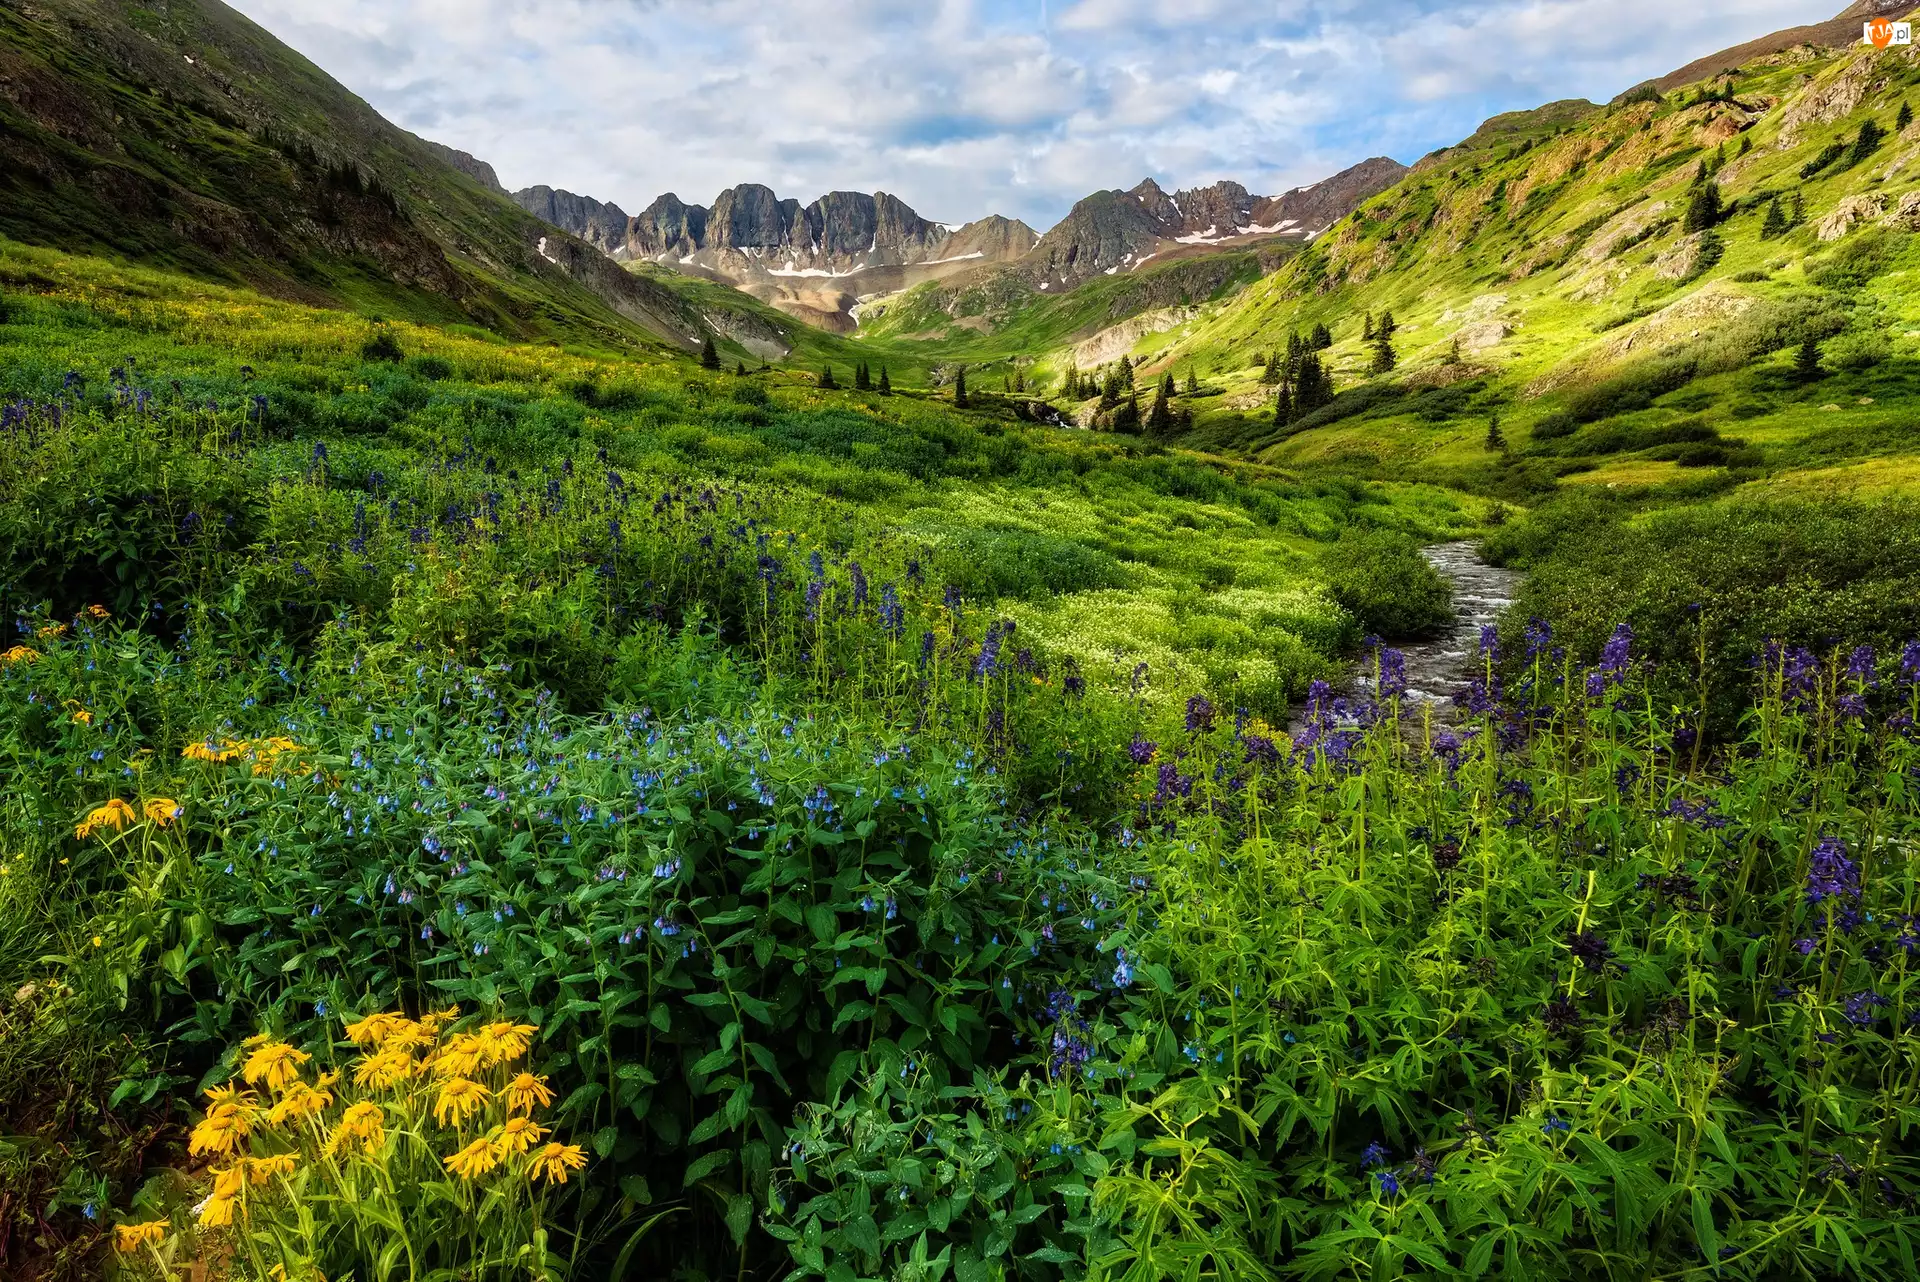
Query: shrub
{"x": 1380, "y": 578}
{"x": 991, "y": 563}
{"x": 1631, "y": 389}
{"x": 433, "y": 369}
{"x": 382, "y": 347}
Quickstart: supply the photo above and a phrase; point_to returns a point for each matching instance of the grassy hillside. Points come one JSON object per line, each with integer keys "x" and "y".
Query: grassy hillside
{"x": 182, "y": 136}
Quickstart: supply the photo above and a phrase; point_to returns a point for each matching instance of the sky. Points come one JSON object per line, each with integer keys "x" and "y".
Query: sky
{"x": 965, "y": 108}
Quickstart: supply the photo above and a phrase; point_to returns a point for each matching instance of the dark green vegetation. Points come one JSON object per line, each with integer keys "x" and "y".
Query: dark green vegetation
{"x": 873, "y": 803}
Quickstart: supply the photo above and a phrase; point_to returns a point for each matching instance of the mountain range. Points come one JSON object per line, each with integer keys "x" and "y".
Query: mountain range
{"x": 820, "y": 261}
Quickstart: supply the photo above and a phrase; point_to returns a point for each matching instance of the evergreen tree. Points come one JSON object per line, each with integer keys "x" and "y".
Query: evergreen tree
{"x": 1905, "y": 118}
{"x": 1019, "y": 381}
{"x": 1272, "y": 373}
{"x": 1746, "y": 143}
{"x": 1384, "y": 357}
{"x": 1366, "y": 328}
{"x": 1776, "y": 222}
{"x": 1323, "y": 337}
{"x": 740, "y": 370}
{"x": 1699, "y": 174}
{"x": 1799, "y": 214}
{"x": 1167, "y": 389}
{"x": 1283, "y": 406}
{"x": 960, "y": 388}
{"x": 1110, "y": 390}
{"x": 1806, "y": 365}
{"x": 1126, "y": 370}
{"x": 862, "y": 378}
{"x": 1193, "y": 383}
{"x": 886, "y": 385}
{"x": 1496, "y": 440}
{"x": 1185, "y": 420}
{"x": 1387, "y": 326}
{"x": 709, "y": 354}
{"x": 1160, "y": 417}
{"x": 1126, "y": 418}
{"x": 1453, "y": 352}
{"x": 1704, "y": 210}
{"x": 1867, "y": 143}
{"x": 826, "y": 379}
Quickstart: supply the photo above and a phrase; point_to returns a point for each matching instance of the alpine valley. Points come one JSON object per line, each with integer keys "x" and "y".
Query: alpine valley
{"x": 1360, "y": 733}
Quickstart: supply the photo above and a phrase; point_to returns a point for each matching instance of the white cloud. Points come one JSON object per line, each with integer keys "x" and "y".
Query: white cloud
{"x": 968, "y": 107}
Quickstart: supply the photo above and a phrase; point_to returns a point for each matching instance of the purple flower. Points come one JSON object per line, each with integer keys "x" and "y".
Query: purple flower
{"x": 1910, "y": 664}
{"x": 1862, "y": 665}
{"x": 1142, "y": 750}
{"x": 1261, "y": 751}
{"x": 1804, "y": 947}
{"x": 1389, "y": 1184}
{"x": 989, "y": 661}
{"x": 1594, "y": 952}
{"x": 859, "y": 577}
{"x": 1374, "y": 1154}
{"x": 1832, "y": 875}
{"x": 1199, "y": 715}
{"x": 1539, "y": 636}
{"x": 892, "y": 617}
{"x": 1490, "y": 641}
{"x": 1861, "y": 1008}
{"x": 1392, "y": 680}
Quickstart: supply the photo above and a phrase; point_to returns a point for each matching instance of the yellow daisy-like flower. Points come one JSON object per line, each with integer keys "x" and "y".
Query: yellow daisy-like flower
{"x": 506, "y": 1042}
{"x": 519, "y": 1134}
{"x": 464, "y": 1055}
{"x": 228, "y": 1180}
{"x": 384, "y": 1071}
{"x": 20, "y": 654}
{"x": 116, "y": 814}
{"x": 475, "y": 1160}
{"x": 407, "y": 1034}
{"x": 230, "y": 1120}
{"x": 373, "y": 1030}
{"x": 526, "y": 1093}
{"x": 554, "y": 1161}
{"x": 98, "y": 613}
{"x": 277, "y": 1063}
{"x": 300, "y": 1102}
{"x": 216, "y": 1212}
{"x": 363, "y": 1126}
{"x": 435, "y": 1020}
{"x": 53, "y": 630}
{"x": 162, "y": 811}
{"x": 214, "y": 751}
{"x": 82, "y": 717}
{"x": 262, "y": 1169}
{"x": 459, "y": 1099}
{"x": 128, "y": 1238}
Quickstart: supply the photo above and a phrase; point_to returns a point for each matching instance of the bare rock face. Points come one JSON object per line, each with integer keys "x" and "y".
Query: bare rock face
{"x": 1848, "y": 214}
{"x": 602, "y": 226}
{"x": 667, "y": 227}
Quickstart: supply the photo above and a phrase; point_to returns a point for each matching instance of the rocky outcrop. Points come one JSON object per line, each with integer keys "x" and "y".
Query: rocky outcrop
{"x": 667, "y": 227}
{"x": 473, "y": 167}
{"x": 602, "y": 226}
{"x": 1114, "y": 231}
{"x": 1848, "y": 214}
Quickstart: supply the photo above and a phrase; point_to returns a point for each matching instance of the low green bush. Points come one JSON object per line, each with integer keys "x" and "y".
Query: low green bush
{"x": 1380, "y": 578}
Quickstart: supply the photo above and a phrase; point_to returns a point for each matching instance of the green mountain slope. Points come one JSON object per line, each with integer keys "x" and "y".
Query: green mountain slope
{"x": 1565, "y": 270}
{"x": 182, "y": 135}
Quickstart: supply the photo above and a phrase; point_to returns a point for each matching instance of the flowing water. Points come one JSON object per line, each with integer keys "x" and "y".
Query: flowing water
{"x": 1437, "y": 668}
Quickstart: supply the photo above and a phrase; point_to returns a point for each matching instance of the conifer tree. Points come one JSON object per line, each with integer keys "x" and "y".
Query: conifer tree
{"x": 1283, "y": 406}
{"x": 1905, "y": 118}
{"x": 740, "y": 370}
{"x": 1799, "y": 214}
{"x": 1126, "y": 418}
{"x": 1867, "y": 143}
{"x": 1323, "y": 337}
{"x": 1384, "y": 357}
{"x": 1160, "y": 417}
{"x": 862, "y": 378}
{"x": 886, "y": 385}
{"x": 1699, "y": 174}
{"x": 1806, "y": 365}
{"x": 709, "y": 354}
{"x": 1704, "y": 210}
{"x": 826, "y": 379}
{"x": 1453, "y": 352}
{"x": 1775, "y": 225}
{"x": 1272, "y": 373}
{"x": 1387, "y": 326}
{"x": 1746, "y": 143}
{"x": 1167, "y": 389}
{"x": 1366, "y": 328}
{"x": 1496, "y": 439}
{"x": 1185, "y": 420}
{"x": 1193, "y": 383}
{"x": 1126, "y": 370}
{"x": 960, "y": 388}
{"x": 1110, "y": 390}
{"x": 1019, "y": 380}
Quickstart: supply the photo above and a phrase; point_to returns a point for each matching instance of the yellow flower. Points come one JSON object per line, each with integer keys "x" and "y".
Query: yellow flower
{"x": 227, "y": 1181}
{"x": 384, "y": 1071}
{"x": 373, "y": 1030}
{"x": 20, "y": 654}
{"x": 216, "y": 1212}
{"x": 433, "y": 1021}
{"x": 162, "y": 811}
{"x": 519, "y": 1134}
{"x": 98, "y": 612}
{"x": 98, "y": 942}
{"x": 459, "y": 1099}
{"x": 464, "y": 1055}
{"x": 222, "y": 1129}
{"x": 555, "y": 1160}
{"x": 116, "y": 814}
{"x": 475, "y": 1160}
{"x": 364, "y": 1125}
{"x": 276, "y": 1062}
{"x": 83, "y": 717}
{"x": 506, "y": 1042}
{"x": 53, "y": 630}
{"x": 262, "y": 1169}
{"x": 527, "y": 1092}
{"x": 300, "y": 1102}
{"x": 405, "y": 1035}
{"x": 218, "y": 752}
{"x": 128, "y": 1238}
